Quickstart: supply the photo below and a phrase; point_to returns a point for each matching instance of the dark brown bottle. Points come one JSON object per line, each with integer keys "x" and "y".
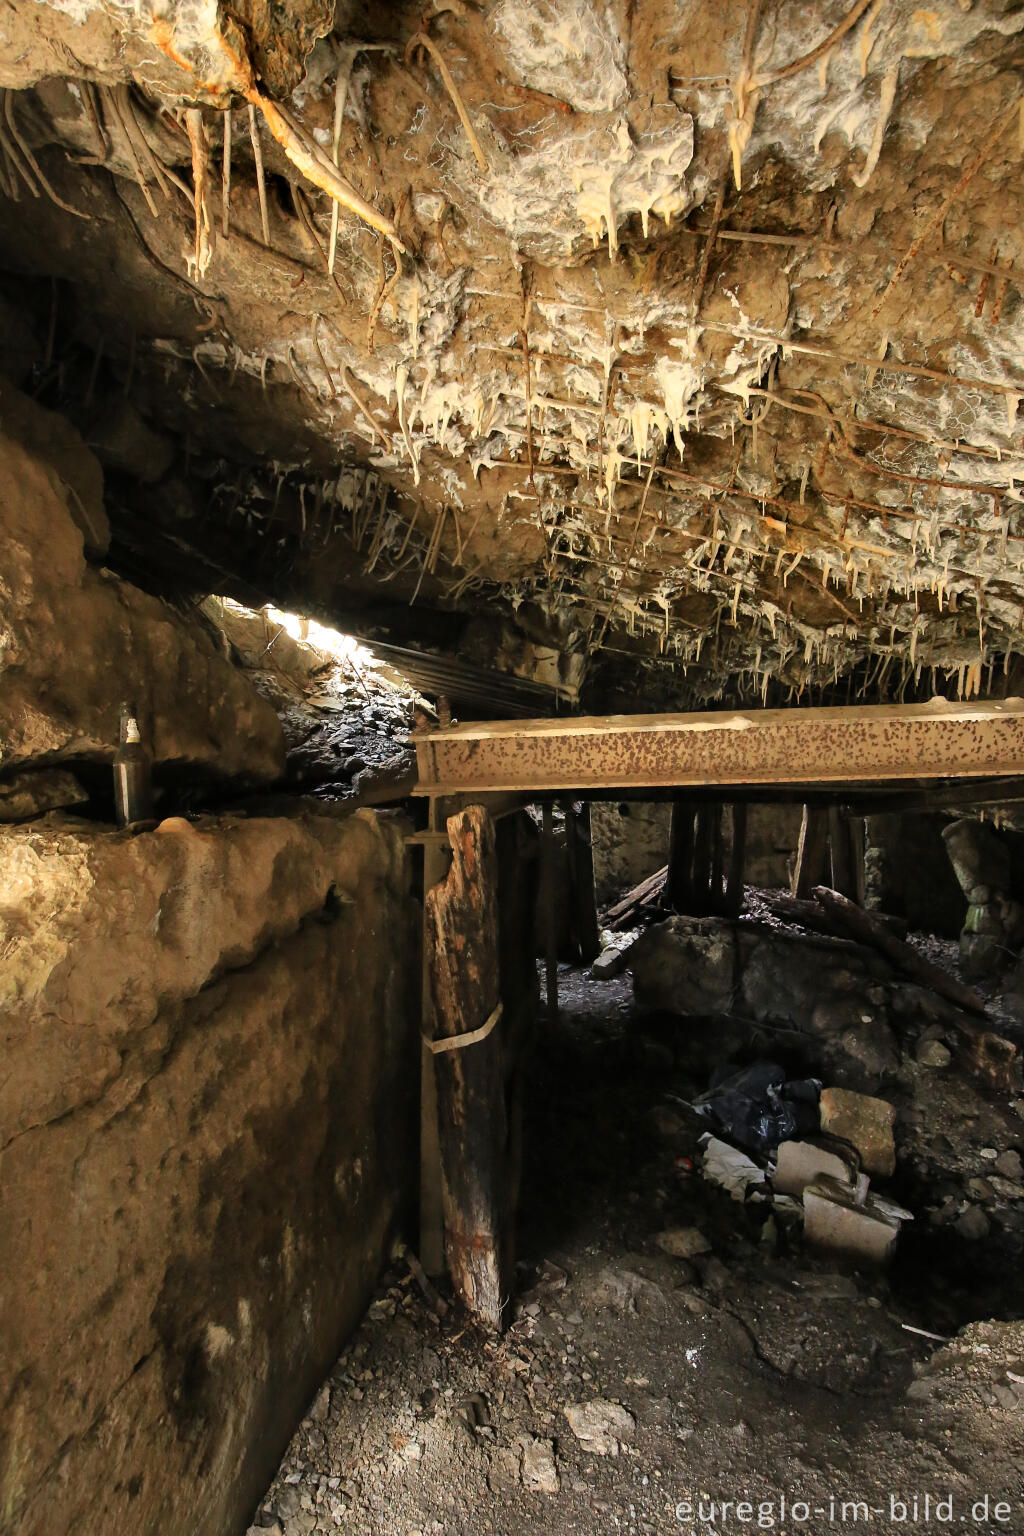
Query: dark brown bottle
{"x": 133, "y": 796}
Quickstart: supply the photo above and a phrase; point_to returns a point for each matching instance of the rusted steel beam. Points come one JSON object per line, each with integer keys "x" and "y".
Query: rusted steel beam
{"x": 872, "y": 744}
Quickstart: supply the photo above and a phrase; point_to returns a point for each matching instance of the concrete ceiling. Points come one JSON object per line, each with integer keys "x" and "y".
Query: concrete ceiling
{"x": 669, "y": 349}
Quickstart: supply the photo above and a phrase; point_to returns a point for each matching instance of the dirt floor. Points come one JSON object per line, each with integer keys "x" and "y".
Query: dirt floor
{"x": 752, "y": 1385}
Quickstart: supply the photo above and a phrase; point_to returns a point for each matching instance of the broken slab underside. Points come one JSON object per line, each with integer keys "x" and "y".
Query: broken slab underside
{"x": 781, "y": 747}
{"x": 657, "y": 349}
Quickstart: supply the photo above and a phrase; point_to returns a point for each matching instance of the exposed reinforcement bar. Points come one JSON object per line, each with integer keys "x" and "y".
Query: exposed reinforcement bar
{"x": 871, "y": 744}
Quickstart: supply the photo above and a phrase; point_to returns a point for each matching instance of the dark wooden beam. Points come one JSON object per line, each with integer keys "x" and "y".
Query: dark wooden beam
{"x": 463, "y": 948}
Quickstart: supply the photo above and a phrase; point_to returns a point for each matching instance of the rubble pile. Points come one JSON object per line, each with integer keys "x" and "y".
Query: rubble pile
{"x": 670, "y": 1342}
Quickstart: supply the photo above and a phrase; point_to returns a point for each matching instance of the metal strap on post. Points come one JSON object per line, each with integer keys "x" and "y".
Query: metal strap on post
{"x": 457, "y": 1042}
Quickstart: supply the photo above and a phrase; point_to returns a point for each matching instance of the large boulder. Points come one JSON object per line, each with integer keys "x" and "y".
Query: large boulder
{"x": 686, "y": 965}
{"x": 75, "y": 641}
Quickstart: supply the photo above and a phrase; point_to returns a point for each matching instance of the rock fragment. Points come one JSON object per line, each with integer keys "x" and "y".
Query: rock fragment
{"x": 600, "y": 1426}
{"x": 539, "y": 1473}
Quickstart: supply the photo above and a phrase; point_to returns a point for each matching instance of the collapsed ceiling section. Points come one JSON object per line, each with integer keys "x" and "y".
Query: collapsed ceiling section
{"x": 670, "y": 350}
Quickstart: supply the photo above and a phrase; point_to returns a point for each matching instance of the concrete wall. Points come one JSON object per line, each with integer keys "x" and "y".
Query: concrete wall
{"x": 773, "y": 832}
{"x": 631, "y": 842}
{"x": 208, "y": 1110}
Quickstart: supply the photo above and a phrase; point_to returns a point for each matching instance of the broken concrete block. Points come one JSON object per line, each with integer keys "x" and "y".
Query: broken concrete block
{"x": 834, "y": 1220}
{"x": 864, "y": 1122}
{"x": 800, "y": 1163}
{"x": 601, "y": 1427}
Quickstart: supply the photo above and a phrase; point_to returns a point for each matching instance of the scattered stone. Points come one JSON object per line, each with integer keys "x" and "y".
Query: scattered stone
{"x": 864, "y": 1122}
{"x": 932, "y": 1053}
{"x": 540, "y": 1474}
{"x": 265, "y": 1524}
{"x": 693, "y": 1302}
{"x": 302, "y": 1524}
{"x": 321, "y": 1405}
{"x": 503, "y": 1471}
{"x": 1010, "y": 1166}
{"x": 988, "y": 1153}
{"x": 622, "y": 1289}
{"x": 973, "y": 1224}
{"x": 683, "y": 1242}
{"x": 287, "y": 1503}
{"x": 601, "y": 1427}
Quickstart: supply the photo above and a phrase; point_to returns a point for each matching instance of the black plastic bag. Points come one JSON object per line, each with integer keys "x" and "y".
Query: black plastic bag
{"x": 755, "y": 1108}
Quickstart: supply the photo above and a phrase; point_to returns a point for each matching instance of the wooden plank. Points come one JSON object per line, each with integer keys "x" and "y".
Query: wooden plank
{"x": 865, "y": 927}
{"x": 463, "y": 949}
{"x": 810, "y": 851}
{"x": 583, "y": 902}
{"x": 808, "y": 914}
{"x": 550, "y": 912}
{"x": 734, "y": 890}
{"x": 679, "y": 884}
{"x": 840, "y": 849}
{"x": 700, "y": 900}
{"x": 870, "y": 744}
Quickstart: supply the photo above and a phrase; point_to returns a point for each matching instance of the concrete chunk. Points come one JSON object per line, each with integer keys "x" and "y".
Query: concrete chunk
{"x": 833, "y": 1220}
{"x": 800, "y": 1163}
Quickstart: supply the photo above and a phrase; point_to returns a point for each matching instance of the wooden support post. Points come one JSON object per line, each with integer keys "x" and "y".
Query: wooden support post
{"x": 585, "y": 931}
{"x": 716, "y": 877}
{"x": 679, "y": 885}
{"x": 436, "y": 857}
{"x": 737, "y": 861}
{"x": 700, "y": 900}
{"x": 550, "y": 913}
{"x": 856, "y": 828}
{"x": 463, "y": 951}
{"x": 810, "y": 853}
{"x": 841, "y": 853}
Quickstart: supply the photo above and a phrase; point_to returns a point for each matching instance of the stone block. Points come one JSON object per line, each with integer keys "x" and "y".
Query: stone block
{"x": 866, "y": 1123}
{"x": 208, "y": 1102}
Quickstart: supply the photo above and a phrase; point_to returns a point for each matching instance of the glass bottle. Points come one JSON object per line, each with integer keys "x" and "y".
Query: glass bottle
{"x": 133, "y": 798}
